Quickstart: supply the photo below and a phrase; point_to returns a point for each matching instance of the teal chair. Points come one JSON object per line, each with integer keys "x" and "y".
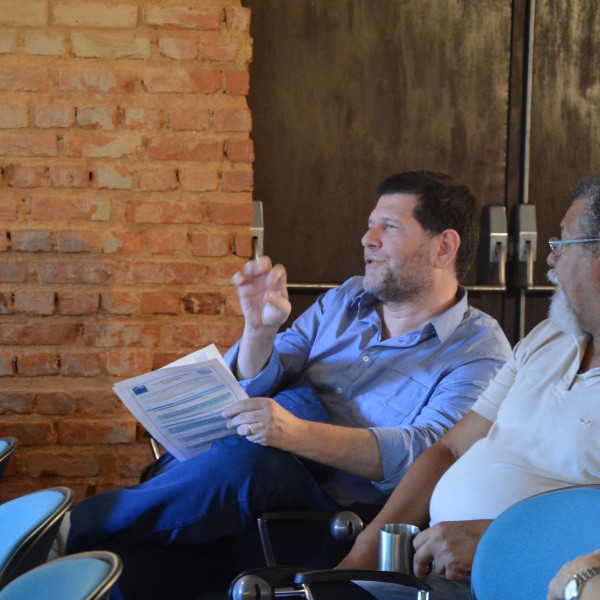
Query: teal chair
{"x": 28, "y": 527}
{"x": 84, "y": 576}
{"x": 525, "y": 546}
{"x": 7, "y": 447}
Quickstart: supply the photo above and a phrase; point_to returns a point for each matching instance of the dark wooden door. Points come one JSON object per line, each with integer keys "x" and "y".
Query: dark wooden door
{"x": 345, "y": 93}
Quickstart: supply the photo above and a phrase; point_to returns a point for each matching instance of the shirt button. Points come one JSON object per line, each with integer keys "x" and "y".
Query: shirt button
{"x": 339, "y": 390}
{"x": 366, "y": 358}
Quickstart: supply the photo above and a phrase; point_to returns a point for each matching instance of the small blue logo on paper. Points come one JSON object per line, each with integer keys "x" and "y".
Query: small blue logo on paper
{"x": 140, "y": 389}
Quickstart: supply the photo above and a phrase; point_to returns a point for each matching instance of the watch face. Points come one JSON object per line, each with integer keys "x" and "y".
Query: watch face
{"x": 571, "y": 589}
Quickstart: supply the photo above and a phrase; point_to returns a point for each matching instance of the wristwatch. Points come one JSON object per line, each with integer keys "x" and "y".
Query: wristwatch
{"x": 574, "y": 585}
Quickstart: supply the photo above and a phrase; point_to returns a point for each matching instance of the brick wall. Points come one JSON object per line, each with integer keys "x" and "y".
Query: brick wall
{"x": 125, "y": 204}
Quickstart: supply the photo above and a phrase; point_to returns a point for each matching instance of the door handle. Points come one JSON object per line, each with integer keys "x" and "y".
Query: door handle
{"x": 257, "y": 230}
{"x": 498, "y": 240}
{"x": 526, "y": 241}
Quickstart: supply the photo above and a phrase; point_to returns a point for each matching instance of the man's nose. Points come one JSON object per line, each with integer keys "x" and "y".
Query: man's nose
{"x": 371, "y": 238}
{"x": 551, "y": 260}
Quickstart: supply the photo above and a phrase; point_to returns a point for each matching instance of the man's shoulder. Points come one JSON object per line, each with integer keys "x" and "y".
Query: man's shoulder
{"x": 545, "y": 336}
{"x": 483, "y": 331}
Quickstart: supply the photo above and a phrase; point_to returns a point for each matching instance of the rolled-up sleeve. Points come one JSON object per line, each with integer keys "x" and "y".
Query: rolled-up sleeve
{"x": 452, "y": 399}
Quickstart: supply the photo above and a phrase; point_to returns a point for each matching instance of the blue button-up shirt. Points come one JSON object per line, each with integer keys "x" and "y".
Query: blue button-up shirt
{"x": 408, "y": 390}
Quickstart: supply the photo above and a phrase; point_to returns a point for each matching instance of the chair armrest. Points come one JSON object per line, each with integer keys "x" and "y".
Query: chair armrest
{"x": 328, "y": 575}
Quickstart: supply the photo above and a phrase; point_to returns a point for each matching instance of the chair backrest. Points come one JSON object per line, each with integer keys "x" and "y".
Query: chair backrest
{"x": 7, "y": 447}
{"x": 525, "y": 546}
{"x": 29, "y": 525}
{"x": 84, "y": 576}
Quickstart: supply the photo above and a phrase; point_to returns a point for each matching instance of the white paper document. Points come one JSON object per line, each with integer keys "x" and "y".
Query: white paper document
{"x": 180, "y": 404}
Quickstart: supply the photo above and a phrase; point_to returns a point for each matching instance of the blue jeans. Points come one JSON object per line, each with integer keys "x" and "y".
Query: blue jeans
{"x": 213, "y": 495}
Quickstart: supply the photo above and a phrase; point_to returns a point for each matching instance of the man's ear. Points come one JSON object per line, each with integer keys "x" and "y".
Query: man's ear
{"x": 449, "y": 242}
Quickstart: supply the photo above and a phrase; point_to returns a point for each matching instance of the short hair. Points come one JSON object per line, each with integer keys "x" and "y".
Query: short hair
{"x": 443, "y": 203}
{"x": 588, "y": 189}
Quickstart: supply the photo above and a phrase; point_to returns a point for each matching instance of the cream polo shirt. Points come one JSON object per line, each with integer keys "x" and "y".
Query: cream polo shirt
{"x": 545, "y": 433}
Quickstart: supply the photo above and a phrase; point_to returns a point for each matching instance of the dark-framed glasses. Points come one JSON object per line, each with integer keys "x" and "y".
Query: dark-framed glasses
{"x": 557, "y": 245}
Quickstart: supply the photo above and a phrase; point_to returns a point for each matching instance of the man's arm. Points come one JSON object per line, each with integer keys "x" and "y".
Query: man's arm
{"x": 409, "y": 503}
{"x": 264, "y": 301}
{"x": 591, "y": 588}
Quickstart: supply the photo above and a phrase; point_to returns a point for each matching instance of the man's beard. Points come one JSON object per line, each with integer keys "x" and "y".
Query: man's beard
{"x": 561, "y": 313}
{"x": 403, "y": 284}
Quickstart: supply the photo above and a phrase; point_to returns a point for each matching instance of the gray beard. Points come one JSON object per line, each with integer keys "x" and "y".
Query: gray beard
{"x": 561, "y": 313}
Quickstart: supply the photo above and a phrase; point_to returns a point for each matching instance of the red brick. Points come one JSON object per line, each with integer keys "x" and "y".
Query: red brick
{"x": 96, "y": 431}
{"x": 120, "y": 334}
{"x": 69, "y": 209}
{"x": 36, "y": 364}
{"x": 122, "y": 242}
{"x": 175, "y": 273}
{"x": 99, "y": 402}
{"x": 102, "y": 117}
{"x": 184, "y": 148}
{"x": 7, "y": 365}
{"x": 102, "y": 145}
{"x": 110, "y": 45}
{"x": 28, "y": 144}
{"x": 237, "y": 213}
{"x": 82, "y": 240}
{"x": 220, "y": 50}
{"x": 9, "y": 209}
{"x": 130, "y": 464}
{"x": 39, "y": 334}
{"x": 55, "y": 403}
{"x": 240, "y": 151}
{"x": 220, "y": 273}
{"x": 53, "y": 115}
{"x": 198, "y": 180}
{"x": 78, "y": 303}
{"x": 242, "y": 243}
{"x": 31, "y": 241}
{"x": 181, "y": 17}
{"x": 16, "y": 403}
{"x": 196, "y": 335}
{"x": 34, "y": 303}
{"x": 208, "y": 303}
{"x": 140, "y": 211}
{"x": 69, "y": 176}
{"x": 232, "y": 305}
{"x": 178, "y": 49}
{"x": 13, "y": 272}
{"x": 81, "y": 364}
{"x": 54, "y": 272}
{"x": 52, "y": 463}
{"x": 44, "y": 43}
{"x": 237, "y": 83}
{"x": 32, "y": 432}
{"x": 238, "y": 181}
{"x": 113, "y": 177}
{"x": 4, "y": 244}
{"x": 119, "y": 303}
{"x": 182, "y": 81}
{"x": 25, "y": 176}
{"x": 160, "y": 303}
{"x": 233, "y": 119}
{"x": 157, "y": 179}
{"x": 82, "y": 13}
{"x": 13, "y": 116}
{"x": 238, "y": 18}
{"x": 161, "y": 241}
{"x": 142, "y": 118}
{"x": 6, "y": 303}
{"x": 127, "y": 363}
{"x": 189, "y": 119}
{"x": 95, "y": 81}
{"x": 33, "y": 13}
{"x": 211, "y": 243}
{"x": 24, "y": 79}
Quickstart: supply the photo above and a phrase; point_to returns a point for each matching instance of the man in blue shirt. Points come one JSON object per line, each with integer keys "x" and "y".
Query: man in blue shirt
{"x": 363, "y": 382}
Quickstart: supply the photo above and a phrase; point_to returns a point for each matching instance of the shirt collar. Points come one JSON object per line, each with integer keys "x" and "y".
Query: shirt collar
{"x": 443, "y": 325}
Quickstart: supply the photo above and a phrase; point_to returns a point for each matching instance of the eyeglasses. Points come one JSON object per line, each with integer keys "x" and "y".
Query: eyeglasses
{"x": 556, "y": 245}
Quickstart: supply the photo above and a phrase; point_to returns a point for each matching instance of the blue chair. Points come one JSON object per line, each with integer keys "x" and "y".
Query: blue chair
{"x": 525, "y": 546}
{"x": 7, "y": 447}
{"x": 84, "y": 576}
{"x": 29, "y": 525}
